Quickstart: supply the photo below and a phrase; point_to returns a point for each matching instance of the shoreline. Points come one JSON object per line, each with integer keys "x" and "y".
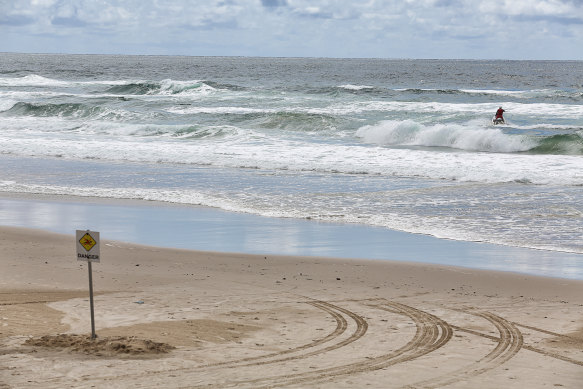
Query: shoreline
{"x": 231, "y": 319}
{"x": 200, "y": 228}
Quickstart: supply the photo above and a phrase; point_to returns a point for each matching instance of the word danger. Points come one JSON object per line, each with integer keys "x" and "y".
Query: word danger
{"x": 87, "y": 256}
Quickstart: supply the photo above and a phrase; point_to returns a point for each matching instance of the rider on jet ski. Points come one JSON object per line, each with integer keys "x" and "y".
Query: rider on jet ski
{"x": 498, "y": 118}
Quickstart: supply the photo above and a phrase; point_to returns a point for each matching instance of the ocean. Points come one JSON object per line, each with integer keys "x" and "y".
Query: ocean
{"x": 405, "y": 145}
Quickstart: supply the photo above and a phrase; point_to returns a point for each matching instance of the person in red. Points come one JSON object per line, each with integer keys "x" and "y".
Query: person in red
{"x": 499, "y": 113}
{"x": 499, "y": 118}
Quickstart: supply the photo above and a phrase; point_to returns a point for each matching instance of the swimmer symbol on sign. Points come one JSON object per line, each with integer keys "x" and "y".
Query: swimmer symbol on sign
{"x": 87, "y": 245}
{"x": 87, "y": 241}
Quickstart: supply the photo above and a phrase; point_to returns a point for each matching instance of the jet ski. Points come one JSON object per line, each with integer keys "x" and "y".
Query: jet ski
{"x": 496, "y": 120}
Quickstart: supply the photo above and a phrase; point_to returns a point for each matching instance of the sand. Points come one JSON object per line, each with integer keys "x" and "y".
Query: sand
{"x": 186, "y": 319}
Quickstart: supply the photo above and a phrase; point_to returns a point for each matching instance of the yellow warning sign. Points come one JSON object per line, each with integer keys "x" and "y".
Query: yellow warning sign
{"x": 87, "y": 242}
{"x": 87, "y": 245}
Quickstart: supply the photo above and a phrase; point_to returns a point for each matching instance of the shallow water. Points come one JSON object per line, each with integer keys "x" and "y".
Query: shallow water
{"x": 207, "y": 229}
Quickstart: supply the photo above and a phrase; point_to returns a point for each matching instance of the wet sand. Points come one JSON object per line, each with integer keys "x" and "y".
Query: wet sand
{"x": 179, "y": 318}
{"x": 200, "y": 228}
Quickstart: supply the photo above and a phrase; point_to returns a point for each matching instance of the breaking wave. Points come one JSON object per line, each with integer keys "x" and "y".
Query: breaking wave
{"x": 468, "y": 137}
{"x": 192, "y": 87}
{"x": 31, "y": 80}
{"x": 164, "y": 87}
{"x": 571, "y": 144}
{"x": 74, "y": 110}
{"x": 119, "y": 87}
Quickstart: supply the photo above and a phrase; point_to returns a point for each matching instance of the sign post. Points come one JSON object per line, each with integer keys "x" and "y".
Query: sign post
{"x": 88, "y": 251}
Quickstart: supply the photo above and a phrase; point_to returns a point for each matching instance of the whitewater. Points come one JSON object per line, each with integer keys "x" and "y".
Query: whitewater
{"x": 399, "y": 144}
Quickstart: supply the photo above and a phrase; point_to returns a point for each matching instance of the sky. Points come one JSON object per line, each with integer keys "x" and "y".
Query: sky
{"x": 471, "y": 29}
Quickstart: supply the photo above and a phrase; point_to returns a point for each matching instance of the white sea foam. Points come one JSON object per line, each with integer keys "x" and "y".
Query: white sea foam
{"x": 255, "y": 150}
{"x": 562, "y": 111}
{"x": 6, "y": 104}
{"x": 407, "y": 210}
{"x": 520, "y": 94}
{"x": 218, "y": 110}
{"x": 549, "y": 126}
{"x": 31, "y": 80}
{"x": 479, "y": 109}
{"x": 495, "y": 92}
{"x": 465, "y": 137}
{"x": 356, "y": 87}
{"x": 167, "y": 86}
{"x": 184, "y": 87}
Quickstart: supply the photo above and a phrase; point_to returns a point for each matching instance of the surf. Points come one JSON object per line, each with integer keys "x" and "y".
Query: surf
{"x": 468, "y": 137}
{"x": 454, "y": 136}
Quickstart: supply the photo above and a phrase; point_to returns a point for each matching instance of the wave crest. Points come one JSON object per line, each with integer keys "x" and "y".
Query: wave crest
{"x": 571, "y": 144}
{"x": 58, "y": 110}
{"x": 164, "y": 87}
{"x": 31, "y": 80}
{"x": 455, "y": 136}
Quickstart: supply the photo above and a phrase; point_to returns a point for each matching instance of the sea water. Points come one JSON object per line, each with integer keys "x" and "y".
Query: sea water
{"x": 406, "y": 145}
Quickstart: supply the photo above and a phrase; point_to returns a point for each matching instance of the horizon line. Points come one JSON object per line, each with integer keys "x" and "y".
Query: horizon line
{"x": 293, "y": 57}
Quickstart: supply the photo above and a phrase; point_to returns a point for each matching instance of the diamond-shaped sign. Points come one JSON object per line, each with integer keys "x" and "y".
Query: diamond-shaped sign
{"x": 87, "y": 241}
{"x": 87, "y": 245}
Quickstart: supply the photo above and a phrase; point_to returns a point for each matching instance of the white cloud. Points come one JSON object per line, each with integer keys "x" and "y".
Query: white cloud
{"x": 550, "y": 8}
{"x": 384, "y": 28}
{"x": 537, "y": 7}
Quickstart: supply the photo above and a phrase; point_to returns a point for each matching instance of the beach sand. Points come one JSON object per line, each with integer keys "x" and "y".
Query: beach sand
{"x": 186, "y": 319}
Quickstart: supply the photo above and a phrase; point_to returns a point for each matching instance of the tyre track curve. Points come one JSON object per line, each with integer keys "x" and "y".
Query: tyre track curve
{"x": 336, "y": 312}
{"x": 532, "y": 348}
{"x": 342, "y": 325}
{"x": 431, "y": 334}
{"x": 509, "y": 343}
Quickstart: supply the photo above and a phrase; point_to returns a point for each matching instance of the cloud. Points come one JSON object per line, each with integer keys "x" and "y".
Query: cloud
{"x": 15, "y": 20}
{"x": 562, "y": 20}
{"x": 380, "y": 28}
{"x": 69, "y": 22}
{"x": 274, "y": 3}
{"x": 314, "y": 12}
{"x": 551, "y": 8}
{"x": 210, "y": 24}
{"x": 448, "y": 3}
{"x": 67, "y": 14}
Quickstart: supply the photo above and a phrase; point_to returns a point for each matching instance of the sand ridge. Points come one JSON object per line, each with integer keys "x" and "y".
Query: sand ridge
{"x": 100, "y": 346}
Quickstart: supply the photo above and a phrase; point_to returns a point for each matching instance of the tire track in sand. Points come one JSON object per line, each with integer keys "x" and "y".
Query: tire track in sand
{"x": 509, "y": 342}
{"x": 431, "y": 334}
{"x": 336, "y": 312}
{"x": 342, "y": 325}
{"x": 532, "y": 348}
